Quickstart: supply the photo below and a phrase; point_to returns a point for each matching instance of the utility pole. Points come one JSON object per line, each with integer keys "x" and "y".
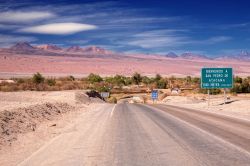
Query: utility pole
{"x": 224, "y": 96}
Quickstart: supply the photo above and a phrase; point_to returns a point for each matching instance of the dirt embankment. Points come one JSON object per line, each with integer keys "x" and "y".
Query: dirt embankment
{"x": 23, "y": 120}
{"x": 24, "y": 112}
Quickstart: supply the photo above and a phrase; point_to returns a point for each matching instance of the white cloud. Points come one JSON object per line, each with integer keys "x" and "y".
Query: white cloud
{"x": 24, "y": 16}
{"x": 156, "y": 42}
{"x": 58, "y": 28}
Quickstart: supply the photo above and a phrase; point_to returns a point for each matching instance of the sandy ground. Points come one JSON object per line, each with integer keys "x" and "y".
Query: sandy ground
{"x": 237, "y": 106}
{"x": 24, "y": 65}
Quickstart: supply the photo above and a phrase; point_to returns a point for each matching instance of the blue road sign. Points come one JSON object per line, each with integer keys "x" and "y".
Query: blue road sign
{"x": 154, "y": 95}
{"x": 216, "y": 78}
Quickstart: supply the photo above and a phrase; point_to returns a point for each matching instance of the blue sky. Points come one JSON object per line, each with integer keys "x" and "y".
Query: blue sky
{"x": 211, "y": 28}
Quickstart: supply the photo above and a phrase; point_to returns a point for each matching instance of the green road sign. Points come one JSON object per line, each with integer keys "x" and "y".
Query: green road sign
{"x": 216, "y": 78}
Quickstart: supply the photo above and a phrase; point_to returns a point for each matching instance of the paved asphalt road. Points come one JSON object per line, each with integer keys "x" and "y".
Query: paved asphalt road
{"x": 135, "y": 134}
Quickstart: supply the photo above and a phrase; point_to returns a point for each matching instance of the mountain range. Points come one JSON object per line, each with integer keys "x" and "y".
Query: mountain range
{"x": 94, "y": 51}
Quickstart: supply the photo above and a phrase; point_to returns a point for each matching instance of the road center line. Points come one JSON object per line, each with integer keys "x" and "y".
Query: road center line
{"x": 112, "y": 112}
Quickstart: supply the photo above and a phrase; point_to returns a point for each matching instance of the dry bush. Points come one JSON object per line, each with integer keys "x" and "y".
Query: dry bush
{"x": 112, "y": 100}
{"x": 69, "y": 86}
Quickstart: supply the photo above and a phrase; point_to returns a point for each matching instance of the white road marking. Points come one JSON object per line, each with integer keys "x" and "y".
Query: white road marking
{"x": 112, "y": 112}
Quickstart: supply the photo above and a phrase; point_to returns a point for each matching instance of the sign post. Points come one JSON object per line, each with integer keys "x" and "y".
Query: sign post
{"x": 216, "y": 78}
{"x": 154, "y": 95}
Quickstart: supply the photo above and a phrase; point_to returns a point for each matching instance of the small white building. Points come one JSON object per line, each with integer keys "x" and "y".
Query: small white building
{"x": 175, "y": 91}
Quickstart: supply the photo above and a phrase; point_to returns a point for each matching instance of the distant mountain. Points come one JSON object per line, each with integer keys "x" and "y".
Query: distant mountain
{"x": 242, "y": 56}
{"x": 26, "y": 49}
{"x": 52, "y": 50}
{"x": 192, "y": 56}
{"x": 74, "y": 49}
{"x": 49, "y": 47}
{"x": 96, "y": 50}
{"x": 171, "y": 55}
{"x": 22, "y": 46}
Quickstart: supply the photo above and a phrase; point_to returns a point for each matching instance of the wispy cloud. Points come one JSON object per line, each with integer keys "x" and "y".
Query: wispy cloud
{"x": 58, "y": 28}
{"x": 158, "y": 39}
{"x": 170, "y": 38}
{"x": 145, "y": 20}
{"x": 24, "y": 16}
{"x": 217, "y": 39}
{"x": 78, "y": 42}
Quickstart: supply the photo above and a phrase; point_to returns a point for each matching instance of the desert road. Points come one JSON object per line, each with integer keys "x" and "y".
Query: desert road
{"x": 136, "y": 134}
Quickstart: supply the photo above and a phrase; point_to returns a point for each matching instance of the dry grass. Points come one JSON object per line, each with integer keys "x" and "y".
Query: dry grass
{"x": 27, "y": 84}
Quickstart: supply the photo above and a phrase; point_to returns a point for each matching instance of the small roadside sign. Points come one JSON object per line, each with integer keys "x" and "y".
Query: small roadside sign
{"x": 105, "y": 94}
{"x": 212, "y": 78}
{"x": 154, "y": 94}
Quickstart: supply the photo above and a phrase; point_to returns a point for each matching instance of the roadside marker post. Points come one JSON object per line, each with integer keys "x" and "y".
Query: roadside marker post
{"x": 154, "y": 95}
{"x": 216, "y": 78}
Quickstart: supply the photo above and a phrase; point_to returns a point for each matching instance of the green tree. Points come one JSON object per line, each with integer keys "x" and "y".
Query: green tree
{"x": 51, "y": 82}
{"x": 146, "y": 80}
{"x": 158, "y": 77}
{"x": 238, "y": 80}
{"x": 93, "y": 78}
{"x": 38, "y": 78}
{"x": 188, "y": 79}
{"x": 136, "y": 78}
{"x": 161, "y": 84}
{"x": 119, "y": 80}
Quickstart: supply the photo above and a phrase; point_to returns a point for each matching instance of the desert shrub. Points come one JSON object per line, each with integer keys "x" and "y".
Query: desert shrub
{"x": 94, "y": 78}
{"x": 9, "y": 87}
{"x": 157, "y": 78}
{"x": 38, "y": 78}
{"x": 41, "y": 87}
{"x": 69, "y": 86}
{"x": 119, "y": 80}
{"x": 19, "y": 80}
{"x": 71, "y": 78}
{"x": 241, "y": 85}
{"x": 112, "y": 100}
{"x": 136, "y": 78}
{"x": 146, "y": 80}
{"x": 212, "y": 91}
{"x": 128, "y": 81}
{"x": 238, "y": 80}
{"x": 196, "y": 80}
{"x": 161, "y": 84}
{"x": 103, "y": 89}
{"x": 51, "y": 82}
{"x": 188, "y": 79}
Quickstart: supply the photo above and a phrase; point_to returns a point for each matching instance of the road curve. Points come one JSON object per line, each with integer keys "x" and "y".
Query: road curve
{"x": 134, "y": 134}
